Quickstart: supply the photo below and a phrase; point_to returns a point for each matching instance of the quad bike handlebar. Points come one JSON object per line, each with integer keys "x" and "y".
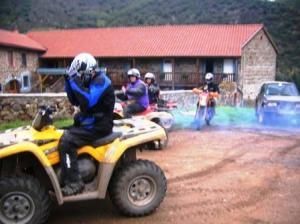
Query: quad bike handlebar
{"x": 43, "y": 117}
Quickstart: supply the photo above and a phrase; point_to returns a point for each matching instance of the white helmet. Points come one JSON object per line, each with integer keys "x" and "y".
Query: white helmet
{"x": 209, "y": 77}
{"x": 150, "y": 75}
{"x": 134, "y": 72}
{"x": 83, "y": 63}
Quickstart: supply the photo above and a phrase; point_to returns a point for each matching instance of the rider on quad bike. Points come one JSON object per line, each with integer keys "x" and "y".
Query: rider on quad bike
{"x": 153, "y": 89}
{"x": 136, "y": 94}
{"x": 155, "y": 100}
{"x": 93, "y": 93}
{"x": 212, "y": 90}
{"x": 30, "y": 169}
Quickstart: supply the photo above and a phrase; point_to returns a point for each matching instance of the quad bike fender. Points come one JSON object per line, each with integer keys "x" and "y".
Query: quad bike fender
{"x": 29, "y": 147}
{"x": 164, "y": 119}
{"x": 159, "y": 116}
{"x": 25, "y": 147}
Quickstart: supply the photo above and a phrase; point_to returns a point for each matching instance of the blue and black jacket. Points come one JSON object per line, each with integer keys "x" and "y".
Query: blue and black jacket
{"x": 96, "y": 102}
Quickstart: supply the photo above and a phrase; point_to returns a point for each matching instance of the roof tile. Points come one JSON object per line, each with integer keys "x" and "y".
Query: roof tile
{"x": 148, "y": 41}
{"x": 15, "y": 39}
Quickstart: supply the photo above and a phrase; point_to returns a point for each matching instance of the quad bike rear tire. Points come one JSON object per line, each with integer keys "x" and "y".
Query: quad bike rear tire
{"x": 138, "y": 188}
{"x": 23, "y": 200}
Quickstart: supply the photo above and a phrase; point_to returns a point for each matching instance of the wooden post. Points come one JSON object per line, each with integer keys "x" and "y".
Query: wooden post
{"x": 41, "y": 83}
{"x": 197, "y": 72}
{"x": 236, "y": 71}
{"x": 133, "y": 62}
{"x": 173, "y": 73}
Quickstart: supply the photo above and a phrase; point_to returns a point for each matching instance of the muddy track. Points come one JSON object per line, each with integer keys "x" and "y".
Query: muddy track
{"x": 221, "y": 176}
{"x": 190, "y": 184}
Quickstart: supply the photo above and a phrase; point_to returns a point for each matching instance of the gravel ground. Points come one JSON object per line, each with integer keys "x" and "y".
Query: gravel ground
{"x": 216, "y": 175}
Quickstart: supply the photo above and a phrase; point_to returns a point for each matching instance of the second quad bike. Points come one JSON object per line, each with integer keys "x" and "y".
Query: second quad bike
{"x": 152, "y": 113}
{"x": 30, "y": 170}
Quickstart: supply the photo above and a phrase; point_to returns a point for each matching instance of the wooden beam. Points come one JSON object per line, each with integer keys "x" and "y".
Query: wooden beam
{"x": 197, "y": 71}
{"x": 173, "y": 73}
{"x": 42, "y": 80}
{"x": 41, "y": 83}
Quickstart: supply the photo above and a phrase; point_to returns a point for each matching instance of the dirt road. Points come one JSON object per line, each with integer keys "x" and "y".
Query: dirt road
{"x": 215, "y": 176}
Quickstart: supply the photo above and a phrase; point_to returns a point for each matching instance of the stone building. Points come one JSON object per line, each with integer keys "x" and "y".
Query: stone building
{"x": 19, "y": 59}
{"x": 179, "y": 55}
{"x": 258, "y": 63}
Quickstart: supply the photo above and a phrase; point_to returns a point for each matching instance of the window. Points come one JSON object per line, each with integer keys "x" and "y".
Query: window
{"x": 228, "y": 66}
{"x": 25, "y": 82}
{"x": 167, "y": 66}
{"x": 281, "y": 89}
{"x": 24, "y": 60}
{"x": 167, "y": 70}
{"x": 10, "y": 58}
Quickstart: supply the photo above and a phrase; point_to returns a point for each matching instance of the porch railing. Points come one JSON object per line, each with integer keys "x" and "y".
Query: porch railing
{"x": 174, "y": 80}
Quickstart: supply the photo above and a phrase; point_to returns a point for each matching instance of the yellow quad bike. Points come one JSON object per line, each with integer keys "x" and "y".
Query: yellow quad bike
{"x": 30, "y": 170}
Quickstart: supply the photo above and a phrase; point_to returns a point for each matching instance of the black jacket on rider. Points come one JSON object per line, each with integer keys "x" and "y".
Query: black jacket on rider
{"x": 153, "y": 93}
{"x": 211, "y": 87}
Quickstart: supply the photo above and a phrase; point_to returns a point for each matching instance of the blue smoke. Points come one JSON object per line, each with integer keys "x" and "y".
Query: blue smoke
{"x": 229, "y": 117}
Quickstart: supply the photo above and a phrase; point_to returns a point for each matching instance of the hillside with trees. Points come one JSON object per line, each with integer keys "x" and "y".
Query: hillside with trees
{"x": 281, "y": 18}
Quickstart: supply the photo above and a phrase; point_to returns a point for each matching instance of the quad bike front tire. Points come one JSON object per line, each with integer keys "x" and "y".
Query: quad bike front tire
{"x": 159, "y": 144}
{"x": 163, "y": 144}
{"x": 23, "y": 200}
{"x": 168, "y": 126}
{"x": 138, "y": 188}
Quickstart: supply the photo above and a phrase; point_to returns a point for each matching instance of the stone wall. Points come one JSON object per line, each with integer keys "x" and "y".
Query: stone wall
{"x": 258, "y": 64}
{"x": 25, "y": 106}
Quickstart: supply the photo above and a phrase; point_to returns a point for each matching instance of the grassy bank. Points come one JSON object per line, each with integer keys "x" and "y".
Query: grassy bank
{"x": 225, "y": 116}
{"x": 17, "y": 123}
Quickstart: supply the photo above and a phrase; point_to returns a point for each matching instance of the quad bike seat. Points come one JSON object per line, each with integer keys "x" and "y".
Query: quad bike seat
{"x": 107, "y": 139}
{"x": 148, "y": 110}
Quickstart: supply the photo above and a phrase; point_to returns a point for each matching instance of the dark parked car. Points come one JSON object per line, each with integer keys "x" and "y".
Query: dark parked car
{"x": 278, "y": 101}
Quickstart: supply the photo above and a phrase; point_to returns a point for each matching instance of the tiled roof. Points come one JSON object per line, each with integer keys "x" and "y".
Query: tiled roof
{"x": 148, "y": 41}
{"x": 15, "y": 39}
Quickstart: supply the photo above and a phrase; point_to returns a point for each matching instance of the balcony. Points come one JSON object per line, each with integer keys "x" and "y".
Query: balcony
{"x": 174, "y": 80}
